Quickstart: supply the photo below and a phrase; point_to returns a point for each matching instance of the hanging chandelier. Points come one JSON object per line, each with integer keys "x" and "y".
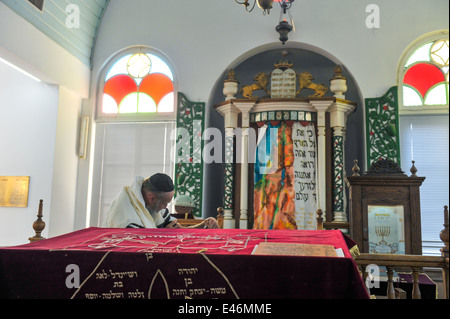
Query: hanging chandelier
{"x": 285, "y": 25}
{"x": 265, "y": 5}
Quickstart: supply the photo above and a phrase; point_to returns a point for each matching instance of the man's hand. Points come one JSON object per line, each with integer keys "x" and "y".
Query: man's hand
{"x": 210, "y": 222}
{"x": 174, "y": 224}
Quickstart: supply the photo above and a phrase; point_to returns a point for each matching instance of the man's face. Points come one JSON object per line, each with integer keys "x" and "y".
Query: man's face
{"x": 155, "y": 203}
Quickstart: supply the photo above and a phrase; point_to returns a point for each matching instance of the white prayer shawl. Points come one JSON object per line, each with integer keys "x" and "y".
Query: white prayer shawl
{"x": 129, "y": 208}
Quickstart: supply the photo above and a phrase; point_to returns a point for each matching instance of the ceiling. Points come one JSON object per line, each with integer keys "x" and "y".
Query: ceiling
{"x": 58, "y": 20}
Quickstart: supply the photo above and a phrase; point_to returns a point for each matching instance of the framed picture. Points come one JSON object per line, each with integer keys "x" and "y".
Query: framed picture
{"x": 386, "y": 229}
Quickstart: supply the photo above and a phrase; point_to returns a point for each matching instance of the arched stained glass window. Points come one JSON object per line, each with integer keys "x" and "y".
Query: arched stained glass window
{"x": 425, "y": 79}
{"x": 136, "y": 112}
{"x": 139, "y": 84}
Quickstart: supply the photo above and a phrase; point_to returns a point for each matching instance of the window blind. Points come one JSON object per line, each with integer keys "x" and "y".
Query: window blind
{"x": 129, "y": 150}
{"x": 424, "y": 139}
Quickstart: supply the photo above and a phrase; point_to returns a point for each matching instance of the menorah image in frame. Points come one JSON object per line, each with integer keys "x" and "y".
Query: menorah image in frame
{"x": 386, "y": 229}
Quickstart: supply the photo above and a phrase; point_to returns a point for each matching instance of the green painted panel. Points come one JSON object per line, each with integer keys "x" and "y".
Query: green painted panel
{"x": 189, "y": 146}
{"x": 382, "y": 128}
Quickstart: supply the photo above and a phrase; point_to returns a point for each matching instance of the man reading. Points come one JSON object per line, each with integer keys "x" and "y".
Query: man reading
{"x": 144, "y": 205}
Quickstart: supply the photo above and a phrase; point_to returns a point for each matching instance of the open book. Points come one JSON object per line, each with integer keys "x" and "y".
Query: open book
{"x": 295, "y": 249}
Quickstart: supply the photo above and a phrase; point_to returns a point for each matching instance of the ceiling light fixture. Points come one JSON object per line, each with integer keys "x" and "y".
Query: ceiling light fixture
{"x": 286, "y": 23}
{"x": 265, "y": 5}
{"x": 283, "y": 27}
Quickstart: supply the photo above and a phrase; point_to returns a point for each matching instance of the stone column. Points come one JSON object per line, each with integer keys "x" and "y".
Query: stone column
{"x": 321, "y": 108}
{"x": 245, "y": 108}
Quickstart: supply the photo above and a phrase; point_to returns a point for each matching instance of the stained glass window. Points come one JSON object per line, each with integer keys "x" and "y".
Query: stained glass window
{"x": 424, "y": 139}
{"x": 425, "y": 79}
{"x": 139, "y": 83}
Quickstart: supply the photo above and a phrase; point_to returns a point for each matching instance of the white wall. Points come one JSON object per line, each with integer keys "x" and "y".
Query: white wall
{"x": 28, "y": 112}
{"x": 39, "y": 125}
{"x": 202, "y": 38}
{"x": 65, "y": 169}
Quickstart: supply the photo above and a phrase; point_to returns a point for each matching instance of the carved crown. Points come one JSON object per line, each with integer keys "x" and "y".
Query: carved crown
{"x": 283, "y": 64}
{"x": 385, "y": 166}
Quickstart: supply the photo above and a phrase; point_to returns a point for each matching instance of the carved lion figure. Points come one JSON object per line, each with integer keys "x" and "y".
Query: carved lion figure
{"x": 305, "y": 82}
{"x": 261, "y": 83}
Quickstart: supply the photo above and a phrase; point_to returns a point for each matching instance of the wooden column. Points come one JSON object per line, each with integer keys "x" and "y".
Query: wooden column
{"x": 230, "y": 114}
{"x": 38, "y": 225}
{"x": 444, "y": 235}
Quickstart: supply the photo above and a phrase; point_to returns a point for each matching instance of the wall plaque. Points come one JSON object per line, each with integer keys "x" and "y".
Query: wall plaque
{"x": 14, "y": 191}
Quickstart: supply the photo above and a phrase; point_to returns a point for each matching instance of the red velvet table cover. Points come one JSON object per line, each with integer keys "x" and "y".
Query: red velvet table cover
{"x": 177, "y": 263}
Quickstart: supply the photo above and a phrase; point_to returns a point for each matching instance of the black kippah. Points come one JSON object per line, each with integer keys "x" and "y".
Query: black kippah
{"x": 162, "y": 182}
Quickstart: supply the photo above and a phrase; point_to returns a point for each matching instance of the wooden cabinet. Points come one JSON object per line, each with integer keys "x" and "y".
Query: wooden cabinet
{"x": 385, "y": 188}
